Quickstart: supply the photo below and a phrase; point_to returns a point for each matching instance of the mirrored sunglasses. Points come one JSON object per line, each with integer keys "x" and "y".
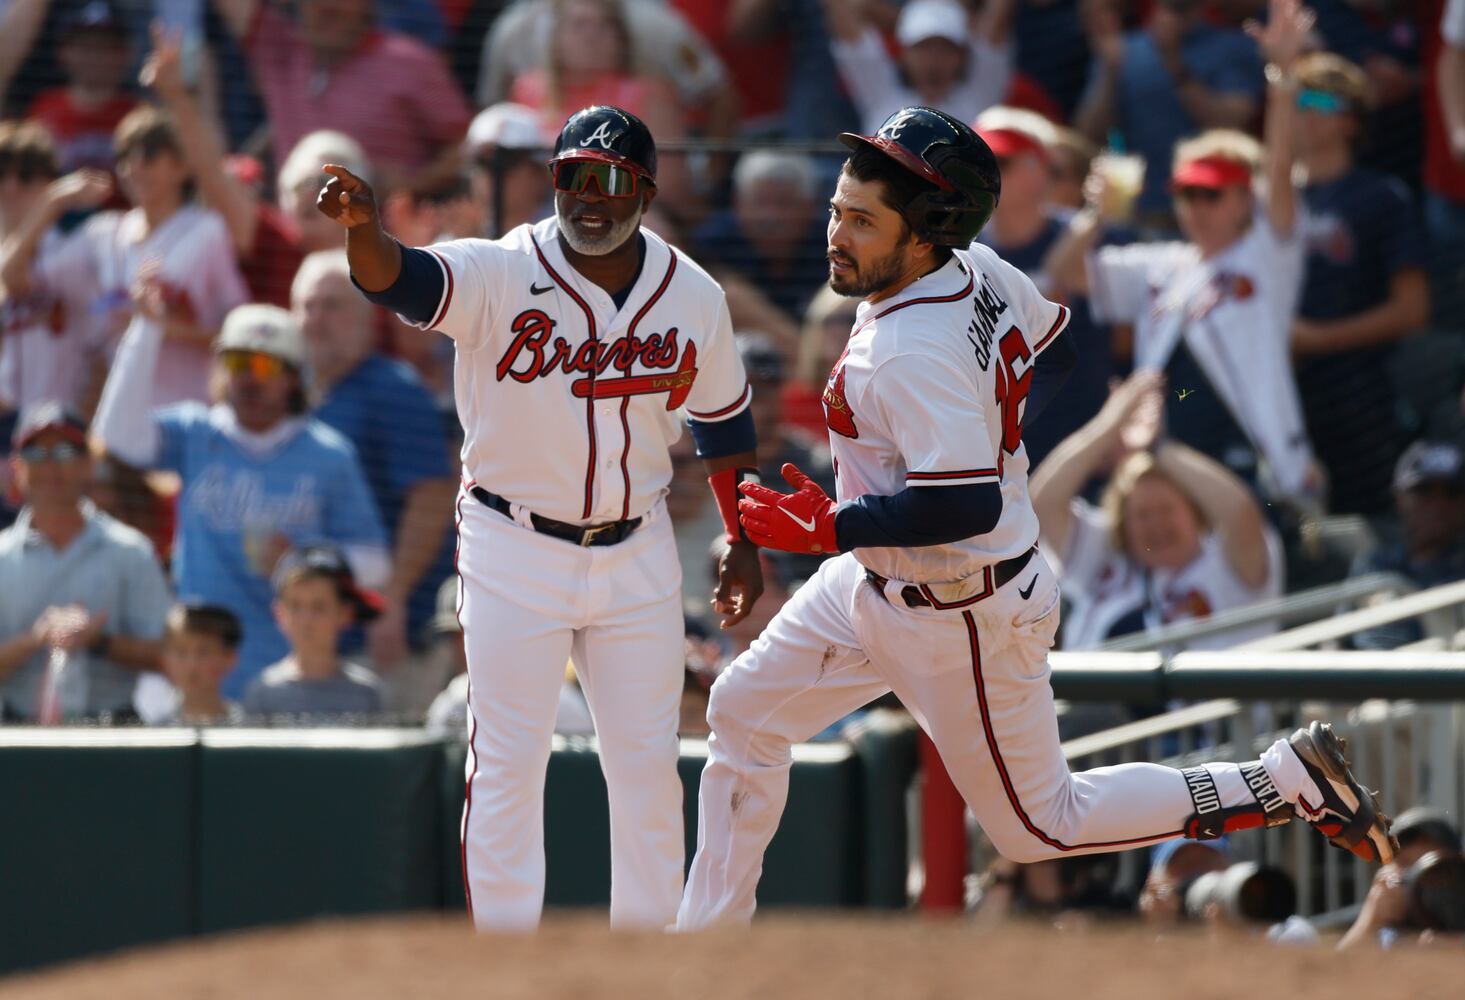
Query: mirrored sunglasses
{"x": 576, "y": 176}
{"x": 1321, "y": 102}
{"x": 33, "y": 453}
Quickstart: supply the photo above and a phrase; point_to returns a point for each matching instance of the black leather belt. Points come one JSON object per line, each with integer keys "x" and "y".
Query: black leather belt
{"x": 611, "y": 533}
{"x": 1002, "y": 573}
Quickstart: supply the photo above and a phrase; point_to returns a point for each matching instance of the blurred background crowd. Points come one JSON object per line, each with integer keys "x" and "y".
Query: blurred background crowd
{"x": 1268, "y": 398}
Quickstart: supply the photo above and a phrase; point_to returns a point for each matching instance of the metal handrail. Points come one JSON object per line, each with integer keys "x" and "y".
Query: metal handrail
{"x": 1305, "y": 604}
{"x": 1424, "y": 602}
{"x": 1255, "y": 673}
{"x": 1151, "y": 728}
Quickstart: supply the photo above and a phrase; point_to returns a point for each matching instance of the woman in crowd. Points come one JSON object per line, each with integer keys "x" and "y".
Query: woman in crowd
{"x": 165, "y": 265}
{"x": 589, "y": 61}
{"x": 1175, "y": 537}
{"x": 1214, "y": 312}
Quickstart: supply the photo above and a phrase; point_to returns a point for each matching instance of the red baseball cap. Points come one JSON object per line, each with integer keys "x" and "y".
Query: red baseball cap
{"x": 1008, "y": 142}
{"x": 1210, "y": 172}
{"x": 50, "y": 417}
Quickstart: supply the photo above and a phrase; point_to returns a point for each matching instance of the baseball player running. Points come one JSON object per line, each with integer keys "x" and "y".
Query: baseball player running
{"x": 940, "y": 594}
{"x": 579, "y": 340}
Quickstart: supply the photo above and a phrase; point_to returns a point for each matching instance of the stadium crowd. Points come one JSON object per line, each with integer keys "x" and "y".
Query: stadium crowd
{"x": 227, "y": 486}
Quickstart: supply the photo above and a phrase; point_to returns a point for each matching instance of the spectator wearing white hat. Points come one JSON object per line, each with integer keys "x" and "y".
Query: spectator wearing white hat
{"x": 506, "y": 154}
{"x": 258, "y": 476}
{"x": 949, "y": 59}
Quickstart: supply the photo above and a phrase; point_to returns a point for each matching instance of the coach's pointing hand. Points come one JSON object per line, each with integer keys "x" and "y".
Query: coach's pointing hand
{"x": 346, "y": 198}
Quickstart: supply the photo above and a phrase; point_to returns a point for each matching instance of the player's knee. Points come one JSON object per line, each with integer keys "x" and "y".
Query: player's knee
{"x": 1021, "y": 847}
{"x": 739, "y": 736}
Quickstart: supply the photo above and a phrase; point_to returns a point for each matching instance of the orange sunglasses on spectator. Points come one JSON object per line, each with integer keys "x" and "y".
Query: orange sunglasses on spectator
{"x": 261, "y": 366}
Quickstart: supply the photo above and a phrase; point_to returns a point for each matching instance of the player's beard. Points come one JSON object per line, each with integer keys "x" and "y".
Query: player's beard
{"x": 598, "y": 246}
{"x": 874, "y": 276}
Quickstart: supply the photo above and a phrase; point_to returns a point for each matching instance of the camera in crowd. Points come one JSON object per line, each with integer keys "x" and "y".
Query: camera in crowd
{"x": 1245, "y": 893}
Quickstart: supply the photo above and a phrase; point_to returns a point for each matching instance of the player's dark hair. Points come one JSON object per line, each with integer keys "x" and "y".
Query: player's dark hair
{"x": 206, "y": 619}
{"x": 898, "y": 186}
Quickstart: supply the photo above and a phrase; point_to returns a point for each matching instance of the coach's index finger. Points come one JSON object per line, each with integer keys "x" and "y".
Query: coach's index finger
{"x": 349, "y": 181}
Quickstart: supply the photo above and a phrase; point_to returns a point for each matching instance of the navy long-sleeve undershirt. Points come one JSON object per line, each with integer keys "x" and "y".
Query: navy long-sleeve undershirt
{"x": 418, "y": 290}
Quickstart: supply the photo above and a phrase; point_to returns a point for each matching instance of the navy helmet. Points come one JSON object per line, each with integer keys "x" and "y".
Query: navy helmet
{"x": 608, "y": 134}
{"x": 950, "y": 156}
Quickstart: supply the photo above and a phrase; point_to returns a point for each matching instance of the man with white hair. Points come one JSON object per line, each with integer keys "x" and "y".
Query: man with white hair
{"x": 950, "y": 59}
{"x": 259, "y": 476}
{"x": 773, "y": 235}
{"x": 299, "y": 181}
{"x": 381, "y": 406}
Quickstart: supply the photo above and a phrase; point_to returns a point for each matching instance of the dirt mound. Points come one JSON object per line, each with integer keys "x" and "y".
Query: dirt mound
{"x": 848, "y": 958}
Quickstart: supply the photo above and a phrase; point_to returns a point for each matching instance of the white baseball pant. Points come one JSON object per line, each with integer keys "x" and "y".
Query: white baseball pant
{"x": 529, "y": 603}
{"x": 975, "y": 678}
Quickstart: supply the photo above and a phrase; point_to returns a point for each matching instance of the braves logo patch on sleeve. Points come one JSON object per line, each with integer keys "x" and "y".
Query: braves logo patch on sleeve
{"x": 837, "y": 413}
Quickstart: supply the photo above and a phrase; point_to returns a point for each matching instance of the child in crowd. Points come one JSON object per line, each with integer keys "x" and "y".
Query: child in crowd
{"x": 316, "y": 601}
{"x": 200, "y": 647}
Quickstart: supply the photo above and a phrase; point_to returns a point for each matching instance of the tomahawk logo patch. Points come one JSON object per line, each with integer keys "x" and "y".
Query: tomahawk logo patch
{"x": 601, "y": 135}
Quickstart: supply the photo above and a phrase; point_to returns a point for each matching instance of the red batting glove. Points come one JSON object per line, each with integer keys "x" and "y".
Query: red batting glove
{"x": 790, "y": 522}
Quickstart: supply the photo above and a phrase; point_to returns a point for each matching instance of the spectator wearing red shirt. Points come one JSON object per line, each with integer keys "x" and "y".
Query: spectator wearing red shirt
{"x": 332, "y": 68}
{"x": 94, "y": 55}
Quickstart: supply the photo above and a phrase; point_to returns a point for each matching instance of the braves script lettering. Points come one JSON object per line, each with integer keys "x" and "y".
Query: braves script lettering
{"x": 536, "y": 352}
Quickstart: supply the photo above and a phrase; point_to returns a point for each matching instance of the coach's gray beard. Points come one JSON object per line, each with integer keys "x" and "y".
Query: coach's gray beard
{"x": 618, "y": 233}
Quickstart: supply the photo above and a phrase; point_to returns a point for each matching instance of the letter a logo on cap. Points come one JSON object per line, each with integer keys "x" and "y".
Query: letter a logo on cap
{"x": 601, "y": 135}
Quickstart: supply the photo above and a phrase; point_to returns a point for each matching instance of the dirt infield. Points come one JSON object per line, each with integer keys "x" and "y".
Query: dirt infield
{"x": 891, "y": 959}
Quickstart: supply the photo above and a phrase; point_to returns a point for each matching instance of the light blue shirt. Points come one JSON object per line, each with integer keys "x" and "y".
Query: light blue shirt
{"x": 307, "y": 487}
{"x": 109, "y": 568}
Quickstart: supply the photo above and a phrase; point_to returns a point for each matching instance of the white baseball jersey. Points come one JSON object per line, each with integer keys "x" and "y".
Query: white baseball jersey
{"x": 1234, "y": 312}
{"x": 47, "y": 338}
{"x": 195, "y": 255}
{"x": 1107, "y": 590}
{"x": 569, "y": 403}
{"x": 931, "y": 391}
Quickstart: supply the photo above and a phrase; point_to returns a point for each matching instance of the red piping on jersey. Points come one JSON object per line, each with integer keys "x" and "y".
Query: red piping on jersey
{"x": 1058, "y": 325}
{"x": 671, "y": 268}
{"x": 916, "y": 302}
{"x": 472, "y": 719}
{"x": 442, "y": 311}
{"x": 734, "y": 405}
{"x": 961, "y": 474}
{"x": 590, "y": 396}
{"x": 996, "y": 752}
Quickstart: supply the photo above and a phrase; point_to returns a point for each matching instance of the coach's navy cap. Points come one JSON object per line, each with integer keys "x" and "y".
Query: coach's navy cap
{"x": 45, "y": 417}
{"x": 1430, "y": 462}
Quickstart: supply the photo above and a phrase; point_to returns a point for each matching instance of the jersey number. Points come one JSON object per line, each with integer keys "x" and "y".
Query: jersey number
{"x": 1012, "y": 391}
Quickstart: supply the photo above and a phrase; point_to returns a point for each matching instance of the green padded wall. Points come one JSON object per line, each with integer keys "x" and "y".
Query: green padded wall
{"x": 300, "y": 824}
{"x": 96, "y": 851}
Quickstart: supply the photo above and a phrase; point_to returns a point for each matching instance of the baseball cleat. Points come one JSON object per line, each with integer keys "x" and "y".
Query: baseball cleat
{"x": 1349, "y": 815}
